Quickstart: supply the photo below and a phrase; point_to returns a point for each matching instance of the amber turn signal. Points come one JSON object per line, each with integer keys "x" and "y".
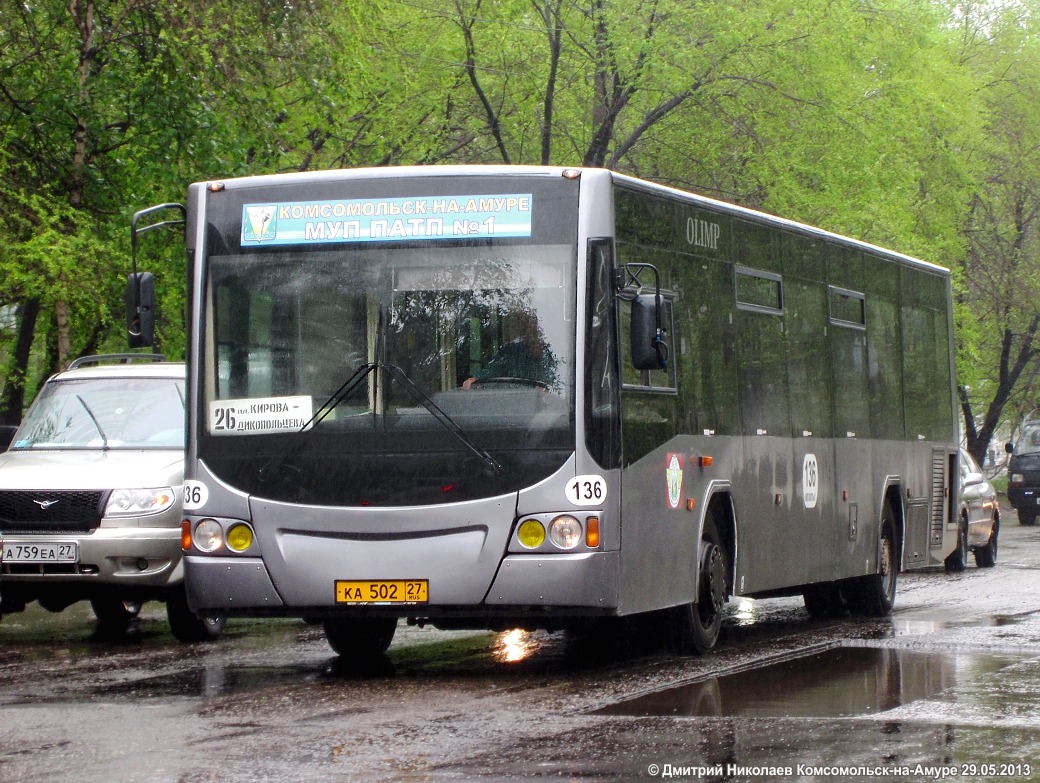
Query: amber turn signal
{"x": 592, "y": 532}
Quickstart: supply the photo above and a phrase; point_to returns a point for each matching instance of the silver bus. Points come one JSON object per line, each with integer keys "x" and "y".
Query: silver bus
{"x": 499, "y": 397}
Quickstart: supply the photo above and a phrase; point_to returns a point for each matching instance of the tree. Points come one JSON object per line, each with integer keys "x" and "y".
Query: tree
{"x": 999, "y": 278}
{"x": 67, "y": 118}
{"x": 110, "y": 105}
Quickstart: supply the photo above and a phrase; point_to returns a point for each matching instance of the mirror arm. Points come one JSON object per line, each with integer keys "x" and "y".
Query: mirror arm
{"x": 629, "y": 275}
{"x": 135, "y": 232}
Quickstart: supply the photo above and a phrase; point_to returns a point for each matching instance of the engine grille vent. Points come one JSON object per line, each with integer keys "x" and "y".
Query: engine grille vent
{"x": 43, "y": 511}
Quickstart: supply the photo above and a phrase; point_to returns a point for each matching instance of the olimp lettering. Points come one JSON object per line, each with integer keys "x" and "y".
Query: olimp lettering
{"x": 703, "y": 233}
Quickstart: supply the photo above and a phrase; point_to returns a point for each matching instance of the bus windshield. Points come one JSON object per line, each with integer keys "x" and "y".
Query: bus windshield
{"x": 389, "y": 375}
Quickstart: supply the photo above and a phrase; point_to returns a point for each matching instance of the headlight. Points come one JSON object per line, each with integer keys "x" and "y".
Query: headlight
{"x": 1016, "y": 478}
{"x": 239, "y": 537}
{"x": 565, "y": 531}
{"x": 208, "y": 536}
{"x": 137, "y": 502}
{"x": 531, "y": 534}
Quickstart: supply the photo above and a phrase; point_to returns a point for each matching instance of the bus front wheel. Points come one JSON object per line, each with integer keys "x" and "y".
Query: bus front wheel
{"x": 360, "y": 638}
{"x": 875, "y": 595}
{"x": 699, "y": 623}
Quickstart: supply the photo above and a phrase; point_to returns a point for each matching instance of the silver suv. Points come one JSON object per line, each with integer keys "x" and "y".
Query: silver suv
{"x": 90, "y": 495}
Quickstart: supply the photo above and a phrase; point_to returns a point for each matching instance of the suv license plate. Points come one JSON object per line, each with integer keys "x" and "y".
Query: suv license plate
{"x": 40, "y": 552}
{"x": 398, "y": 591}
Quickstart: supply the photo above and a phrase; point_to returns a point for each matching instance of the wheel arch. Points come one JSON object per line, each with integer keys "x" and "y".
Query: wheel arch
{"x": 893, "y": 496}
{"x": 720, "y": 505}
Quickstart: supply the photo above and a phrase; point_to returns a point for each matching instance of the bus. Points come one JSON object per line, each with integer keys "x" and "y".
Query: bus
{"x": 537, "y": 397}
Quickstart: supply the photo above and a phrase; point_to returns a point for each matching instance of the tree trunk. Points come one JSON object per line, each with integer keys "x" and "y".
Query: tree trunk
{"x": 82, "y": 13}
{"x": 14, "y": 389}
{"x": 1013, "y": 362}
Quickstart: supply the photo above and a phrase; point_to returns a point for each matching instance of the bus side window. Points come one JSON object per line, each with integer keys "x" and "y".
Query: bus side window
{"x": 602, "y": 424}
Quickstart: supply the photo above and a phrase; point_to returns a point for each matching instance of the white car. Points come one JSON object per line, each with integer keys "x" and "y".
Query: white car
{"x": 90, "y": 495}
{"x": 979, "y": 518}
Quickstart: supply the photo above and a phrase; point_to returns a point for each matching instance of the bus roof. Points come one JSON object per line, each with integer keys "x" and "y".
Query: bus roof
{"x": 461, "y": 170}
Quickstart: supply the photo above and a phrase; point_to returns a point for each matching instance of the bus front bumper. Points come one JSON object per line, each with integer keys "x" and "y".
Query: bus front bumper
{"x": 237, "y": 585}
{"x": 584, "y": 579}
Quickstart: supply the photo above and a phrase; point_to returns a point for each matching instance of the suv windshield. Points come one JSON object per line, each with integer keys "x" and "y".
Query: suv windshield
{"x": 105, "y": 413}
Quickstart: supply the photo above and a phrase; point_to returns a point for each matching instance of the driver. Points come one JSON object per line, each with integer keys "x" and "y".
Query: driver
{"x": 527, "y": 357}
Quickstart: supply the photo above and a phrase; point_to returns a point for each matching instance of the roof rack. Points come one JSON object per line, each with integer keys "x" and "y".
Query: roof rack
{"x": 120, "y": 358}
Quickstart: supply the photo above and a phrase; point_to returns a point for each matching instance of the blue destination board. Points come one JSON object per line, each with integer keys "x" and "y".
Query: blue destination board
{"x": 387, "y": 219}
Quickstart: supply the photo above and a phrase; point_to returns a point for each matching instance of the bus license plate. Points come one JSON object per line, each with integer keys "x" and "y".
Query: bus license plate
{"x": 399, "y": 591}
{"x": 40, "y": 552}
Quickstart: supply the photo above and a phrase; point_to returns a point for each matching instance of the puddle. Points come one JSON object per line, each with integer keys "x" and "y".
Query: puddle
{"x": 918, "y": 627}
{"x": 838, "y": 682}
{"x": 206, "y": 682}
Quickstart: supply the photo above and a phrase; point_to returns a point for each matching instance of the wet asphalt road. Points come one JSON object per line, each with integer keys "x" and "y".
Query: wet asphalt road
{"x": 948, "y": 688}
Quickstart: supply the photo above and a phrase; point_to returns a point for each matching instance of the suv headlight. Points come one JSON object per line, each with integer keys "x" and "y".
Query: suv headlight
{"x": 1017, "y": 478}
{"x": 138, "y": 502}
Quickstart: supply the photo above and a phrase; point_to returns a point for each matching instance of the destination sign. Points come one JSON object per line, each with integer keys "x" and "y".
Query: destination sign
{"x": 259, "y": 416}
{"x": 387, "y": 219}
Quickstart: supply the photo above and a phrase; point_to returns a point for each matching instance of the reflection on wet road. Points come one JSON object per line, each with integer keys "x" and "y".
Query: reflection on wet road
{"x": 844, "y": 681}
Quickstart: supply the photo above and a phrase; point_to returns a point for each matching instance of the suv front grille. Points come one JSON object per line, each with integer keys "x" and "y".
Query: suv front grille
{"x": 43, "y": 511}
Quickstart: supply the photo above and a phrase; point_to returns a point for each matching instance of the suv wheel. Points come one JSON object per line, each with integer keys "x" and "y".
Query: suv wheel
{"x": 113, "y": 614}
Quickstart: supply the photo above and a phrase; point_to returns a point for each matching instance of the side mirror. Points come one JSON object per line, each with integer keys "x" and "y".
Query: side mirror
{"x": 1009, "y": 447}
{"x": 972, "y": 480}
{"x": 649, "y": 351}
{"x": 6, "y": 435}
{"x": 140, "y": 309}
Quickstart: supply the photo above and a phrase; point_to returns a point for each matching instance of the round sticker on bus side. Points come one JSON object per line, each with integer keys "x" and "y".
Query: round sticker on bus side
{"x": 810, "y": 481}
{"x": 673, "y": 473}
{"x": 587, "y": 490}
{"x": 195, "y": 494}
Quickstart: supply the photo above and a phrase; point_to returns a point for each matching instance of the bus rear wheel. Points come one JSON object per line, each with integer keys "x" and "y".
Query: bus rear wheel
{"x": 875, "y": 595}
{"x": 699, "y": 623}
{"x": 360, "y": 638}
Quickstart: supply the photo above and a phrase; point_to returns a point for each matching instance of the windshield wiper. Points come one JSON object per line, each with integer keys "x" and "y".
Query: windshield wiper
{"x": 324, "y": 410}
{"x": 349, "y": 386}
{"x": 93, "y": 418}
{"x": 449, "y": 423}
